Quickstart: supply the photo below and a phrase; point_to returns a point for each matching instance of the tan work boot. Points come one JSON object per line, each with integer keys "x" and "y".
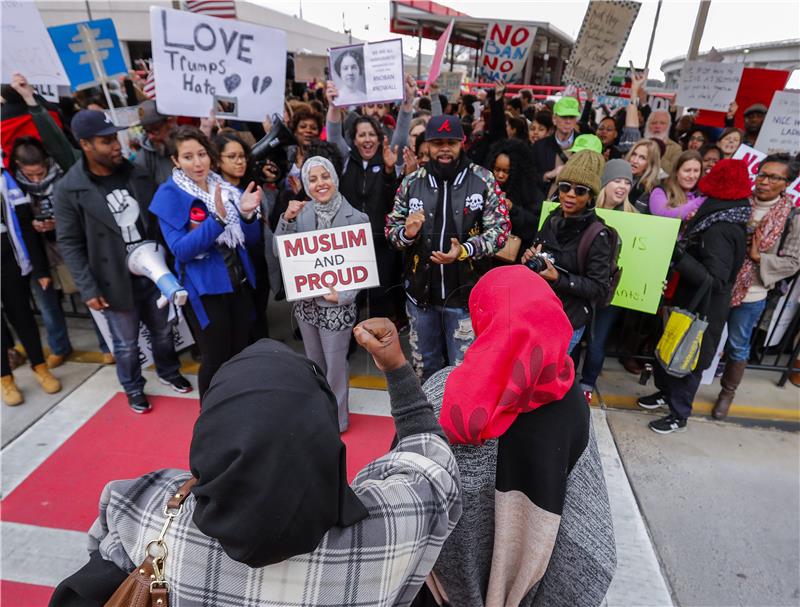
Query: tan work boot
{"x": 49, "y": 383}
{"x": 11, "y": 394}
{"x": 55, "y": 360}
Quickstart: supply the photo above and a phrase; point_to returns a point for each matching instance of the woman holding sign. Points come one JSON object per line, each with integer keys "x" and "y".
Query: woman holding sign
{"x": 325, "y": 322}
{"x": 207, "y": 223}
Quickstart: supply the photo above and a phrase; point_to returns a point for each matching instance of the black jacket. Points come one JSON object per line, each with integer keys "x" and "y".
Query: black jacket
{"x": 716, "y": 252}
{"x": 90, "y": 239}
{"x": 560, "y": 237}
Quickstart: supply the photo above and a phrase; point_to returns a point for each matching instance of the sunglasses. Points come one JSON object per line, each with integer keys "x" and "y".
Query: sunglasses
{"x": 580, "y": 190}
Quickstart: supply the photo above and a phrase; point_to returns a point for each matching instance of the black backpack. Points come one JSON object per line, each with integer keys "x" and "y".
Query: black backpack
{"x": 587, "y": 238}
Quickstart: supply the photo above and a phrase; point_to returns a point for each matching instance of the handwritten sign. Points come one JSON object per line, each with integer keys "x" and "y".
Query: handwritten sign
{"x": 780, "y": 131}
{"x": 506, "y": 50}
{"x": 601, "y": 39}
{"x": 647, "y": 244}
{"x": 27, "y": 47}
{"x": 48, "y": 92}
{"x": 438, "y": 55}
{"x": 450, "y": 85}
{"x": 181, "y": 337}
{"x": 312, "y": 263}
{"x": 708, "y": 85}
{"x": 367, "y": 73}
{"x": 203, "y": 62}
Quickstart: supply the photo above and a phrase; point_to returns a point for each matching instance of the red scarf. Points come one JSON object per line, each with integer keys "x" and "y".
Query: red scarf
{"x": 518, "y": 361}
{"x": 769, "y": 230}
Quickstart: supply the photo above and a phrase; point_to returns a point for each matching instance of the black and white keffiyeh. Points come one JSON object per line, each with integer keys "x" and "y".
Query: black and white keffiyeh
{"x": 233, "y": 235}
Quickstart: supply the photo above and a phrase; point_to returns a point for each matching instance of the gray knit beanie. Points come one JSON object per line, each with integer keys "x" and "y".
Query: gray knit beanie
{"x": 617, "y": 169}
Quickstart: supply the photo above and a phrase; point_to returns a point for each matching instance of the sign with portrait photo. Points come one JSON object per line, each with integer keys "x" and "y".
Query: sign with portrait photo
{"x": 367, "y": 73}
{"x": 203, "y": 63}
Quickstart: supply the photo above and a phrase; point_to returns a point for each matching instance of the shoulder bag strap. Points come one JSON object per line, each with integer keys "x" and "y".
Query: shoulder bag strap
{"x": 585, "y": 243}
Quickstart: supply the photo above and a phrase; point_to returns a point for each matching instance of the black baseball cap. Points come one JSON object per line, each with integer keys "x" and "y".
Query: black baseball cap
{"x": 444, "y": 126}
{"x": 92, "y": 123}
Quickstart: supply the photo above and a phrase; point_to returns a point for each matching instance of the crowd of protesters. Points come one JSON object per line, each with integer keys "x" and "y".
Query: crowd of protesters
{"x": 504, "y": 313}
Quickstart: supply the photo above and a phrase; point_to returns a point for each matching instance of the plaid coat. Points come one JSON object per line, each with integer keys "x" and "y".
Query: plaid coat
{"x": 412, "y": 495}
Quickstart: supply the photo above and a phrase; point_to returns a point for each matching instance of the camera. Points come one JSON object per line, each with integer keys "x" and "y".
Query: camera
{"x": 538, "y": 263}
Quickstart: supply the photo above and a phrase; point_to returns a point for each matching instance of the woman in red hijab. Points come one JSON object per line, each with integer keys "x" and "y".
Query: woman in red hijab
{"x": 536, "y": 509}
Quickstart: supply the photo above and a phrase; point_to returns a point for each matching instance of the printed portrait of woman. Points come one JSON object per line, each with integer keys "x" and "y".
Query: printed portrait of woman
{"x": 348, "y": 75}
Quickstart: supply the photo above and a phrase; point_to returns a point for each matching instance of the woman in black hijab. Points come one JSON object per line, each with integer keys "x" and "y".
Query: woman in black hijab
{"x": 272, "y": 519}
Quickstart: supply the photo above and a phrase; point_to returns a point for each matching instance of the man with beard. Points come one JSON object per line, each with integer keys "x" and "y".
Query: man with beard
{"x": 153, "y": 156}
{"x": 449, "y": 221}
{"x": 657, "y": 127}
{"x": 101, "y": 208}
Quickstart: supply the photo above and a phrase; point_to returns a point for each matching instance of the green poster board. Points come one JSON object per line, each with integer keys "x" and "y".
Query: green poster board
{"x": 647, "y": 244}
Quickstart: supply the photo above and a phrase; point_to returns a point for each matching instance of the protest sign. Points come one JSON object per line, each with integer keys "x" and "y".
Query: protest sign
{"x": 708, "y": 85}
{"x": 793, "y": 192}
{"x": 757, "y": 86}
{"x": 27, "y": 47}
{"x": 602, "y": 37}
{"x": 310, "y": 67}
{"x": 752, "y": 158}
{"x": 312, "y": 263}
{"x": 89, "y": 51}
{"x": 181, "y": 337}
{"x": 647, "y": 244}
{"x": 202, "y": 62}
{"x": 367, "y": 73}
{"x": 505, "y": 51}
{"x": 450, "y": 85}
{"x": 438, "y": 55}
{"x": 780, "y": 131}
{"x": 48, "y": 92}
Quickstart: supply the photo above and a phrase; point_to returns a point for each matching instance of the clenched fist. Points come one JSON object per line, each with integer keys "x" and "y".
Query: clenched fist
{"x": 378, "y": 336}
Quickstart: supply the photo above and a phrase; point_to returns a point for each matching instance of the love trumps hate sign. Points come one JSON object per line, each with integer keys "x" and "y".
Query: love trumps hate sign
{"x": 201, "y": 62}
{"x": 313, "y": 263}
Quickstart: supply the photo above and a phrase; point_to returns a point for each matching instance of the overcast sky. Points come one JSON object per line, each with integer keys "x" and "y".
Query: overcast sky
{"x": 730, "y": 22}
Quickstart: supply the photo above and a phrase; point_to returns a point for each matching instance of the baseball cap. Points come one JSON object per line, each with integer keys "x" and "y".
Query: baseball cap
{"x": 567, "y": 106}
{"x": 92, "y": 123}
{"x": 587, "y": 142}
{"x": 756, "y": 107}
{"x": 444, "y": 126}
{"x": 148, "y": 114}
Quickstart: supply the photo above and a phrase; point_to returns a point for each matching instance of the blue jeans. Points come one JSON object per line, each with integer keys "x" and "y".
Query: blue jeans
{"x": 576, "y": 338}
{"x": 741, "y": 321}
{"x": 604, "y": 320}
{"x": 434, "y": 332}
{"x": 124, "y": 327}
{"x": 49, "y": 305}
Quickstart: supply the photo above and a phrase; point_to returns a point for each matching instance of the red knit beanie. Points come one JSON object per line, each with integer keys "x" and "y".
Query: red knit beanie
{"x": 727, "y": 180}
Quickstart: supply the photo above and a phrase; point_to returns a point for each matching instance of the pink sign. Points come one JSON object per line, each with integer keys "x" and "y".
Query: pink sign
{"x": 438, "y": 55}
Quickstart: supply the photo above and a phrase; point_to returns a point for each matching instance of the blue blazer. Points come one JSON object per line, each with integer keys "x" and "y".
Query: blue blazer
{"x": 199, "y": 266}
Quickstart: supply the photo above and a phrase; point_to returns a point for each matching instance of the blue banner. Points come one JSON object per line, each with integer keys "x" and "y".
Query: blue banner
{"x": 89, "y": 51}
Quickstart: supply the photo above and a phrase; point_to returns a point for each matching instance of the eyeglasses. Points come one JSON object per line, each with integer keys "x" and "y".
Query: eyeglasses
{"x": 235, "y": 157}
{"x": 697, "y": 138}
{"x": 580, "y": 190}
{"x": 771, "y": 178}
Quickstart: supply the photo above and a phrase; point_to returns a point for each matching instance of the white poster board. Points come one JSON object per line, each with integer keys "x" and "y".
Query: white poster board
{"x": 181, "y": 336}
{"x": 601, "y": 39}
{"x": 505, "y": 51}
{"x": 367, "y": 73}
{"x": 48, "y": 92}
{"x": 202, "y": 62}
{"x": 340, "y": 258}
{"x": 27, "y": 47}
{"x": 780, "y": 131}
{"x": 708, "y": 85}
{"x": 450, "y": 85}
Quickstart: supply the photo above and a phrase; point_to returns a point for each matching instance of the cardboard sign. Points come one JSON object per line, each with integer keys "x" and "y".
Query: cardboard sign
{"x": 780, "y": 131}
{"x": 367, "y": 73}
{"x": 505, "y": 51}
{"x": 310, "y": 67}
{"x": 340, "y": 258}
{"x": 757, "y": 86}
{"x": 601, "y": 39}
{"x": 709, "y": 85}
{"x": 438, "y": 55}
{"x": 90, "y": 52}
{"x": 202, "y": 62}
{"x": 752, "y": 158}
{"x": 647, "y": 244}
{"x": 27, "y": 47}
{"x": 181, "y": 336}
{"x": 450, "y": 85}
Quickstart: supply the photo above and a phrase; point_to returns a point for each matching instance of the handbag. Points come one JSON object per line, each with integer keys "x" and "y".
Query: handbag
{"x": 510, "y": 250}
{"x": 146, "y": 586}
{"x": 678, "y": 350}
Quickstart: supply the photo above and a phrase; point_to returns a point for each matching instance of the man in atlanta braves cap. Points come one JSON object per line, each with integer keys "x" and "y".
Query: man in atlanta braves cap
{"x": 449, "y": 221}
